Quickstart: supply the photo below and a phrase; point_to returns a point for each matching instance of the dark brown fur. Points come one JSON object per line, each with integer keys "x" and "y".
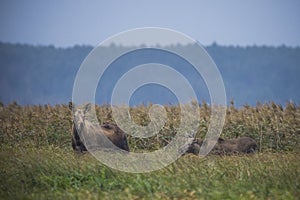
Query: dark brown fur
{"x": 240, "y": 145}
{"x": 115, "y": 135}
{"x": 77, "y": 144}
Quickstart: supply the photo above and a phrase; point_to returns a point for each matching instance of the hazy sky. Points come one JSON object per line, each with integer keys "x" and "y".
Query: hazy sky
{"x": 230, "y": 22}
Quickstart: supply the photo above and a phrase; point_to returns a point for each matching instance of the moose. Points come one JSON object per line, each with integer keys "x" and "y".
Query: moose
{"x": 86, "y": 135}
{"x": 242, "y": 145}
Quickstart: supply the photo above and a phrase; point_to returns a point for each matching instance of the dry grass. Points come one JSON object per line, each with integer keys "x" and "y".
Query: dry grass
{"x": 37, "y": 162}
{"x": 274, "y": 127}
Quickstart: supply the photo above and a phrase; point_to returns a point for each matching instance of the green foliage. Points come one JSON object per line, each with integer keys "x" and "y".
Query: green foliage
{"x": 37, "y": 162}
{"x": 47, "y": 173}
{"x": 45, "y": 74}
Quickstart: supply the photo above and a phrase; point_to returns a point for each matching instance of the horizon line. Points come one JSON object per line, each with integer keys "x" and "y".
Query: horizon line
{"x": 118, "y": 45}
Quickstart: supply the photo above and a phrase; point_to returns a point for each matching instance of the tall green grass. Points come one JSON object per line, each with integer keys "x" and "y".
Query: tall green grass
{"x": 37, "y": 162}
{"x": 53, "y": 173}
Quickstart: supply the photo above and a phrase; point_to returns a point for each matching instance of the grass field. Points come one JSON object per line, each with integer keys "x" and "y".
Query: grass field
{"x": 37, "y": 162}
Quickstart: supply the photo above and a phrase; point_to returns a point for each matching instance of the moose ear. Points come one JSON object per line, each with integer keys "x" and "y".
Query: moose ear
{"x": 87, "y": 108}
{"x": 70, "y": 105}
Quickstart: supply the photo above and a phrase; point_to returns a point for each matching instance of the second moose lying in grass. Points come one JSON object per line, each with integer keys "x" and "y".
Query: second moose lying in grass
{"x": 242, "y": 145}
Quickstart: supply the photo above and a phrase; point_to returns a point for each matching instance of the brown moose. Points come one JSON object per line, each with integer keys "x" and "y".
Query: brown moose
{"x": 242, "y": 145}
{"x": 86, "y": 135}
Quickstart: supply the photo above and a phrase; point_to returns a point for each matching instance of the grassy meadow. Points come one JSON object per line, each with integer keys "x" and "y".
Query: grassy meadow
{"x": 37, "y": 161}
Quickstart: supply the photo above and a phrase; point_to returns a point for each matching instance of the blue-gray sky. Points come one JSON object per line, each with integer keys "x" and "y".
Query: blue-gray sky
{"x": 231, "y": 22}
